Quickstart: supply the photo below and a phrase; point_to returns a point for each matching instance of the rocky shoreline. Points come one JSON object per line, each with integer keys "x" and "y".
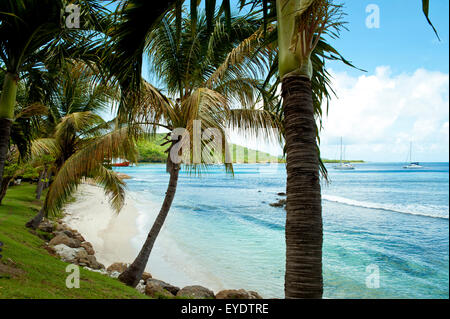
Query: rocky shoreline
{"x": 71, "y": 247}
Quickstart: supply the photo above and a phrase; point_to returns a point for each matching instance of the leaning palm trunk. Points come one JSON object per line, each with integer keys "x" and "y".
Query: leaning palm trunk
{"x": 36, "y": 221}
{"x": 4, "y": 187}
{"x": 41, "y": 183}
{"x": 133, "y": 274}
{"x": 7, "y": 102}
{"x": 303, "y": 278}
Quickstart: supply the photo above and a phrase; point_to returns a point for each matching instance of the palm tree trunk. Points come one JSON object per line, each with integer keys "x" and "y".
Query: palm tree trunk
{"x": 303, "y": 278}
{"x": 49, "y": 176}
{"x": 133, "y": 274}
{"x": 41, "y": 183}
{"x": 7, "y": 102}
{"x": 4, "y": 187}
{"x": 34, "y": 223}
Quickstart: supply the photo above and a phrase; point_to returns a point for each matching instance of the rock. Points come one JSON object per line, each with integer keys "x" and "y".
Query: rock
{"x": 164, "y": 285}
{"x": 237, "y": 294}
{"x": 141, "y": 287}
{"x": 281, "y": 194}
{"x": 93, "y": 263}
{"x": 59, "y": 227}
{"x": 114, "y": 274}
{"x": 154, "y": 290}
{"x": 255, "y": 295}
{"x": 119, "y": 267}
{"x": 81, "y": 254}
{"x": 46, "y": 227}
{"x": 68, "y": 233}
{"x": 88, "y": 247}
{"x": 79, "y": 237}
{"x": 280, "y": 203}
{"x": 62, "y": 238}
{"x": 100, "y": 271}
{"x": 196, "y": 292}
{"x": 66, "y": 253}
{"x": 146, "y": 276}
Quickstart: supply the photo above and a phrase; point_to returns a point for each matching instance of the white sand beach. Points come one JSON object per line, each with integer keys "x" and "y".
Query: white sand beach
{"x": 118, "y": 238}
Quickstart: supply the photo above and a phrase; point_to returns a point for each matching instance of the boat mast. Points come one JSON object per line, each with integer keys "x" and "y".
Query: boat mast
{"x": 410, "y": 152}
{"x": 340, "y": 161}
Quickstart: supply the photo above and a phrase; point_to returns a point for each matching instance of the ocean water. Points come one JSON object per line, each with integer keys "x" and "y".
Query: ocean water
{"x": 386, "y": 229}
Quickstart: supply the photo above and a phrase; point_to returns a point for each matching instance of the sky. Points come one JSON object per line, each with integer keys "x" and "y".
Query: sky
{"x": 402, "y": 97}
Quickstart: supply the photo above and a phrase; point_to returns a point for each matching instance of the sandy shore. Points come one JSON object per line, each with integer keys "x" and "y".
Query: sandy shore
{"x": 108, "y": 232}
{"x": 118, "y": 237}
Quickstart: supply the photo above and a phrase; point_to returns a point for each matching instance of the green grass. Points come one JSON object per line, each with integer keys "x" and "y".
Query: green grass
{"x": 27, "y": 270}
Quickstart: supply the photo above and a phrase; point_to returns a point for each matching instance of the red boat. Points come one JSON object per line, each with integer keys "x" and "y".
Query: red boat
{"x": 123, "y": 164}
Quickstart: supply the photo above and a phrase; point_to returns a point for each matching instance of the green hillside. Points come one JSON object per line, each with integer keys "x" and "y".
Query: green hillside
{"x": 151, "y": 151}
{"x": 27, "y": 270}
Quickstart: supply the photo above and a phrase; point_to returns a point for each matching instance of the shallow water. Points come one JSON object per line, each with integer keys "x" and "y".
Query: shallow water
{"x": 378, "y": 217}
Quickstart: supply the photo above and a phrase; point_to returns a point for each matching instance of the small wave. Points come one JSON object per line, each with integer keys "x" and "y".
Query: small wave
{"x": 411, "y": 210}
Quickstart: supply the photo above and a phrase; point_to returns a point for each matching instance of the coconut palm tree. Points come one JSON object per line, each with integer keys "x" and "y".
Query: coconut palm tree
{"x": 207, "y": 79}
{"x": 80, "y": 141}
{"x": 298, "y": 20}
{"x": 32, "y": 31}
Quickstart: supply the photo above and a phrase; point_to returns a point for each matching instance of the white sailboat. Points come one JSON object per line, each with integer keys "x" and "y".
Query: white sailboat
{"x": 412, "y": 165}
{"x": 342, "y": 165}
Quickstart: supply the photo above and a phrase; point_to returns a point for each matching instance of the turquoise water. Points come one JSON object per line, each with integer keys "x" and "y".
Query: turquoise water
{"x": 378, "y": 216}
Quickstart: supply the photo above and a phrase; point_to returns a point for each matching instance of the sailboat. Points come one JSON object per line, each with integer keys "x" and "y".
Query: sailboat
{"x": 412, "y": 165}
{"x": 342, "y": 165}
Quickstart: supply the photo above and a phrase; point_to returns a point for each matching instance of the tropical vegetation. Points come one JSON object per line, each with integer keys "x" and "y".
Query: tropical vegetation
{"x": 213, "y": 66}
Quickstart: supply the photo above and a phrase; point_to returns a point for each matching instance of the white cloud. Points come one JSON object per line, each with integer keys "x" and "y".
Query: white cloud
{"x": 378, "y": 115}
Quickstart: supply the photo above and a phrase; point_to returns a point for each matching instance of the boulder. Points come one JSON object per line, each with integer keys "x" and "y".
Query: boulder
{"x": 141, "y": 287}
{"x": 88, "y": 247}
{"x": 237, "y": 294}
{"x": 164, "y": 285}
{"x": 81, "y": 254}
{"x": 114, "y": 274}
{"x": 100, "y": 271}
{"x": 146, "y": 276}
{"x": 46, "y": 227}
{"x": 66, "y": 253}
{"x": 280, "y": 203}
{"x": 255, "y": 295}
{"x": 156, "y": 291}
{"x": 281, "y": 194}
{"x": 62, "y": 238}
{"x": 196, "y": 292}
{"x": 93, "y": 263}
{"x": 68, "y": 233}
{"x": 79, "y": 237}
{"x": 119, "y": 267}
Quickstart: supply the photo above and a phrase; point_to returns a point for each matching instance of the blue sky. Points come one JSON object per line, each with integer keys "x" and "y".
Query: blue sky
{"x": 402, "y": 97}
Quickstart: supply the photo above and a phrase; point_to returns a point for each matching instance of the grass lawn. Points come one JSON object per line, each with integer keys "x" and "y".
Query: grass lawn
{"x": 27, "y": 270}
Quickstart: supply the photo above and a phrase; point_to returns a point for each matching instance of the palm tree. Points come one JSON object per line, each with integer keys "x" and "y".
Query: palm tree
{"x": 204, "y": 74}
{"x": 32, "y": 31}
{"x": 80, "y": 141}
{"x": 301, "y": 280}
